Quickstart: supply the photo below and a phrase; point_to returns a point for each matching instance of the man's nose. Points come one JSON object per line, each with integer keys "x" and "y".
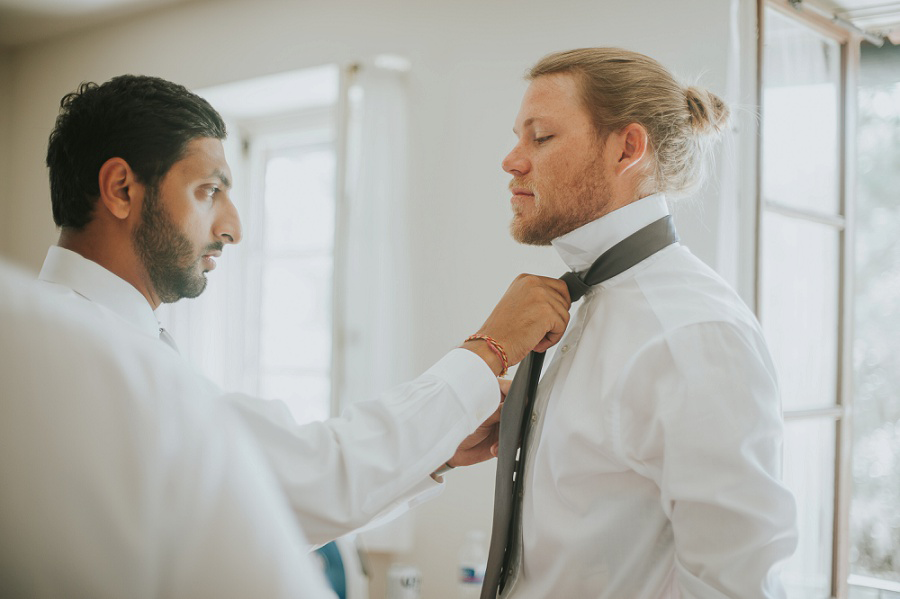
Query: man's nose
{"x": 515, "y": 162}
{"x": 228, "y": 224}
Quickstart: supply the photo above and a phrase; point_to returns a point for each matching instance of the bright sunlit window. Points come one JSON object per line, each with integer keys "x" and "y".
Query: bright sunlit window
{"x": 296, "y": 260}
{"x": 264, "y": 325}
{"x": 842, "y": 464}
{"x": 801, "y": 253}
{"x": 875, "y": 509}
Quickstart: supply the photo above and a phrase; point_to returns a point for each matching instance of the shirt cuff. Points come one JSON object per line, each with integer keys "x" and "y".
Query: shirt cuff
{"x": 472, "y": 381}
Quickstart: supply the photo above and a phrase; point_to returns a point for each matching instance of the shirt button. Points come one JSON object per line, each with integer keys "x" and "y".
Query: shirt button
{"x": 565, "y": 348}
{"x": 534, "y": 418}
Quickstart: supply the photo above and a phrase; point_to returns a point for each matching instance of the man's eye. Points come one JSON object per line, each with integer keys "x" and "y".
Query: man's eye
{"x": 212, "y": 191}
{"x": 543, "y": 139}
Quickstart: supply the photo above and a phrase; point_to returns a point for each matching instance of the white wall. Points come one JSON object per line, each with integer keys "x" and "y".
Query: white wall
{"x": 467, "y": 57}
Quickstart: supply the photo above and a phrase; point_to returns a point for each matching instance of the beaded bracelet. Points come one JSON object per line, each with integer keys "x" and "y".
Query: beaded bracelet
{"x": 496, "y": 348}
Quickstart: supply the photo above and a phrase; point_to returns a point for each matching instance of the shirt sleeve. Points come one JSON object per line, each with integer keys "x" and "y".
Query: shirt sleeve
{"x": 376, "y": 459}
{"x": 701, "y": 417}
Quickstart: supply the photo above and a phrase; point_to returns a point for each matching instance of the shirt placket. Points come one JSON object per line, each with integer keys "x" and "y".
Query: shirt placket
{"x": 545, "y": 388}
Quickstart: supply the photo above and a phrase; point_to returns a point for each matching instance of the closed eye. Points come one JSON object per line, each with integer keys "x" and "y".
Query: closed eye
{"x": 544, "y": 139}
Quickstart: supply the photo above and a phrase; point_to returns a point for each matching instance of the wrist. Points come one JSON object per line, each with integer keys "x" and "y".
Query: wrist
{"x": 481, "y": 348}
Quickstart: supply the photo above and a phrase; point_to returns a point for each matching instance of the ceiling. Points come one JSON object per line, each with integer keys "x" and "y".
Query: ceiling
{"x": 26, "y": 21}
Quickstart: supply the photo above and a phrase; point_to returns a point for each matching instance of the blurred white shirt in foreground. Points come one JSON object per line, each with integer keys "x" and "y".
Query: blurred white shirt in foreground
{"x": 120, "y": 483}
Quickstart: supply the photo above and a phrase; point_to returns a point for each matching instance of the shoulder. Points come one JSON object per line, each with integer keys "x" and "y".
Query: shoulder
{"x": 682, "y": 291}
{"x": 700, "y": 331}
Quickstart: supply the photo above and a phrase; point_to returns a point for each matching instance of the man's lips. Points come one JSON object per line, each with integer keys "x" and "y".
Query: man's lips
{"x": 520, "y": 191}
{"x": 208, "y": 262}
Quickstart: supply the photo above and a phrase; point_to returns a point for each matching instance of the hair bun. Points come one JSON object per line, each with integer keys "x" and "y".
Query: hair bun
{"x": 708, "y": 112}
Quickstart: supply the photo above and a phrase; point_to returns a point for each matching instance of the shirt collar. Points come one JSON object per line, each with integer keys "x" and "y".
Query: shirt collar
{"x": 581, "y": 247}
{"x": 92, "y": 281}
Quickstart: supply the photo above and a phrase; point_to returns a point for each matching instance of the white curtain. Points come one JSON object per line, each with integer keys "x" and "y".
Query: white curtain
{"x": 372, "y": 282}
{"x": 373, "y": 278}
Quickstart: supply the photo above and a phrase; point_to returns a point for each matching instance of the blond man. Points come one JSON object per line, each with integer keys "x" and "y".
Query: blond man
{"x": 652, "y": 465}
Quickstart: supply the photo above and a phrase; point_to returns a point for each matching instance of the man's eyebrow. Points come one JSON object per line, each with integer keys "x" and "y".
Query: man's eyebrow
{"x": 221, "y": 176}
{"x": 527, "y": 122}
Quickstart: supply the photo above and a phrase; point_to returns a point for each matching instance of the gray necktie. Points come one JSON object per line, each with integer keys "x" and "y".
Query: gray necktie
{"x": 515, "y": 420}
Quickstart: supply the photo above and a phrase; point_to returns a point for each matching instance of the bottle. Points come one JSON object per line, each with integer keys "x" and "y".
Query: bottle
{"x": 404, "y": 582}
{"x": 472, "y": 561}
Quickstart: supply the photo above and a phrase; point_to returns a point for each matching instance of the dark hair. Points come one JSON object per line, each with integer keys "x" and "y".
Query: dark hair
{"x": 146, "y": 121}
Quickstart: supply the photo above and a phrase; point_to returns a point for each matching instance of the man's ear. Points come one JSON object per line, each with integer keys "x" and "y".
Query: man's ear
{"x": 119, "y": 188}
{"x": 631, "y": 147}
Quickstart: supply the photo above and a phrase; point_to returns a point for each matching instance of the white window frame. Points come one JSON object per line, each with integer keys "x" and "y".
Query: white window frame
{"x": 310, "y": 127}
{"x": 840, "y": 412}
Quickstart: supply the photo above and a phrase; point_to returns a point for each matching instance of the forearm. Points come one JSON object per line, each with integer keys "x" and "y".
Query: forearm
{"x": 341, "y": 473}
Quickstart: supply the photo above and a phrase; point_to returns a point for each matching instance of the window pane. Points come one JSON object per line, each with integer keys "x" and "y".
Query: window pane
{"x": 799, "y": 308}
{"x": 875, "y": 510}
{"x": 809, "y": 473}
{"x": 299, "y": 200}
{"x": 801, "y": 83}
{"x": 296, "y": 314}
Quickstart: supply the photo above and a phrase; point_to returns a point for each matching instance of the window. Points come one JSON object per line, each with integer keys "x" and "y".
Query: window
{"x": 803, "y": 240}
{"x": 298, "y": 310}
{"x": 264, "y": 325}
{"x": 293, "y": 256}
{"x": 875, "y": 508}
{"x": 828, "y": 297}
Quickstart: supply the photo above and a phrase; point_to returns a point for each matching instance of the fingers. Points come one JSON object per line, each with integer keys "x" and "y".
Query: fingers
{"x": 533, "y": 311}
{"x": 561, "y": 288}
{"x": 505, "y": 384}
{"x": 556, "y": 289}
{"x": 557, "y": 326}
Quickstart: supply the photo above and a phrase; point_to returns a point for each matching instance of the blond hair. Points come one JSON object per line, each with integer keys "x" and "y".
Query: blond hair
{"x": 620, "y": 87}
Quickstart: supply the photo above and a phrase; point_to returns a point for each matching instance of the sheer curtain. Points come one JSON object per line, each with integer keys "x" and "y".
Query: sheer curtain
{"x": 373, "y": 271}
{"x": 372, "y": 282}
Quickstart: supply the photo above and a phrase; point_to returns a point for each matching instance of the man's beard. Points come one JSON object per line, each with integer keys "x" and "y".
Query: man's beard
{"x": 167, "y": 254}
{"x": 552, "y": 217}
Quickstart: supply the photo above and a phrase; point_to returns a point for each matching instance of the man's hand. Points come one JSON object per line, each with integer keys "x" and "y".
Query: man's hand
{"x": 531, "y": 315}
{"x": 482, "y": 444}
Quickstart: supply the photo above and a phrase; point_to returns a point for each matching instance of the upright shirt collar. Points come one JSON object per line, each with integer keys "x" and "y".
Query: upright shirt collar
{"x": 90, "y": 280}
{"x": 581, "y": 247}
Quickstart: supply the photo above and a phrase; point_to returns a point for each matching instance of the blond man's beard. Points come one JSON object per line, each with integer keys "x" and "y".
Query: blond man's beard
{"x": 554, "y": 216}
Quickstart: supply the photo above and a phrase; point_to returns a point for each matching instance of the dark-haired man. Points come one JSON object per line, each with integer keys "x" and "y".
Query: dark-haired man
{"x": 140, "y": 189}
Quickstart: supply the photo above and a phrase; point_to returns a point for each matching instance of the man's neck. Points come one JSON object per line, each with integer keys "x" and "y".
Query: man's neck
{"x": 113, "y": 253}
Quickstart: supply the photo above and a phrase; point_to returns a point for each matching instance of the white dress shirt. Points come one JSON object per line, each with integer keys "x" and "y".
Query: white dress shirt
{"x": 120, "y": 482}
{"x": 654, "y": 468}
{"x": 372, "y": 463}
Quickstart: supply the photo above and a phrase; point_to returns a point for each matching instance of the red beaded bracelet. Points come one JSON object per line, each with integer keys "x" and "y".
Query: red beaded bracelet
{"x": 496, "y": 348}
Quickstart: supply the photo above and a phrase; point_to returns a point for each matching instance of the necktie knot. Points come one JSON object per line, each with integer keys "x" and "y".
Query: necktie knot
{"x": 577, "y": 287}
